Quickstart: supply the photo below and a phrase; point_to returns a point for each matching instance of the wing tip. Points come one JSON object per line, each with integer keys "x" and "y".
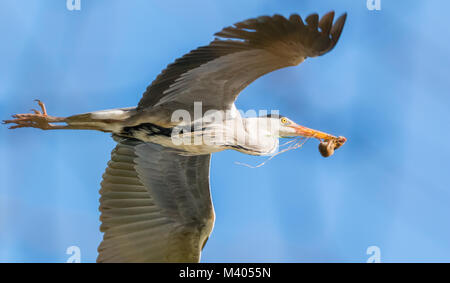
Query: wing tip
{"x": 324, "y": 37}
{"x": 337, "y": 29}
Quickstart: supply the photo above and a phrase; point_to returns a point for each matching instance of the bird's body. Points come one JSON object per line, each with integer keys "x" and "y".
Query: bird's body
{"x": 155, "y": 200}
{"x": 205, "y": 135}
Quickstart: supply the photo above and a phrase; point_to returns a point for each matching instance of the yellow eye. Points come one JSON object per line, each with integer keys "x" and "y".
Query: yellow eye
{"x": 284, "y": 120}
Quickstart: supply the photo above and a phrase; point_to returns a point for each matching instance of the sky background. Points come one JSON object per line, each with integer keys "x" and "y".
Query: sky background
{"x": 385, "y": 87}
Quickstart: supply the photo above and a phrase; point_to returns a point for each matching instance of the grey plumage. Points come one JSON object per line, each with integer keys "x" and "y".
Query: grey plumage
{"x": 239, "y": 55}
{"x": 155, "y": 200}
{"x": 155, "y": 205}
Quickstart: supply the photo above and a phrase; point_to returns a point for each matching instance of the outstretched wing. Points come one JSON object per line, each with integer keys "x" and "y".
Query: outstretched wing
{"x": 215, "y": 74}
{"x": 155, "y": 205}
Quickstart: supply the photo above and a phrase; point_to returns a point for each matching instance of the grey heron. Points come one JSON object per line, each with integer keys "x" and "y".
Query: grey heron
{"x": 155, "y": 199}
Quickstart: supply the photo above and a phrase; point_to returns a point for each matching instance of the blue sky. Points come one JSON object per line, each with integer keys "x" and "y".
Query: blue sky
{"x": 385, "y": 87}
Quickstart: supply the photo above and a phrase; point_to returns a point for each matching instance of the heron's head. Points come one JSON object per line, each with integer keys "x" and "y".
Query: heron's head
{"x": 283, "y": 127}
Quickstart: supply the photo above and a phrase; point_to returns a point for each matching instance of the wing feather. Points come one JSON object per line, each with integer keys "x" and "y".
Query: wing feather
{"x": 155, "y": 205}
{"x": 215, "y": 74}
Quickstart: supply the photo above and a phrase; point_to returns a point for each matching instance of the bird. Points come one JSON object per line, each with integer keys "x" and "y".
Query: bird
{"x": 155, "y": 198}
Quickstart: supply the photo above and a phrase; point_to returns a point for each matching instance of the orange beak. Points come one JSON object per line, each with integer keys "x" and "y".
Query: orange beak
{"x": 310, "y": 133}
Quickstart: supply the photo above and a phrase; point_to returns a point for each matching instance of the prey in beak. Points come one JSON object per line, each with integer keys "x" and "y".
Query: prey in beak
{"x": 328, "y": 143}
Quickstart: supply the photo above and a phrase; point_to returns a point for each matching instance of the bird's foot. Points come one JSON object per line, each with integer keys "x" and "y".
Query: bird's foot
{"x": 37, "y": 119}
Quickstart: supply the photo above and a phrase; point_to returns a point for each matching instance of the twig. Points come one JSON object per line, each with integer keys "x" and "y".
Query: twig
{"x": 299, "y": 142}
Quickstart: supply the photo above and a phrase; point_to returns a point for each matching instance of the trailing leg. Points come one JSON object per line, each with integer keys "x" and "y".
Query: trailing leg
{"x": 105, "y": 121}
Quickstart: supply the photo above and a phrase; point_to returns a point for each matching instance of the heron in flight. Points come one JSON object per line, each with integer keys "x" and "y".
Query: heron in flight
{"x": 155, "y": 199}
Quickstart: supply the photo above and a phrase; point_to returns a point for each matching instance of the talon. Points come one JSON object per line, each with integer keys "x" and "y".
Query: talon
{"x": 42, "y": 105}
{"x": 36, "y": 119}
